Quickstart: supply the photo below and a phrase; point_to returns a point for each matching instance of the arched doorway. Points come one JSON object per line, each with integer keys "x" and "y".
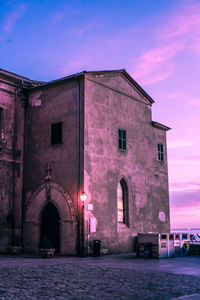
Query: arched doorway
{"x": 50, "y": 227}
{"x": 36, "y": 205}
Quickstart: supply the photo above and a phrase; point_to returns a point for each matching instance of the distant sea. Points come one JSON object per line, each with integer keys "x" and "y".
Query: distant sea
{"x": 186, "y": 230}
{"x": 194, "y": 234}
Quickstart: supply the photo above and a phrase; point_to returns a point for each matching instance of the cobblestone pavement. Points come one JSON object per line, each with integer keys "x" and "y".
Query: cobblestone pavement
{"x": 111, "y": 277}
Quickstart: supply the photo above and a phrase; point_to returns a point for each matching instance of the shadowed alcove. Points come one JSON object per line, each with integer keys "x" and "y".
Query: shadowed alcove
{"x": 50, "y": 226}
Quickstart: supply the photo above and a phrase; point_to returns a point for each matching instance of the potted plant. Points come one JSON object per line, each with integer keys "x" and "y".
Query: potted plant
{"x": 46, "y": 250}
{"x": 15, "y": 246}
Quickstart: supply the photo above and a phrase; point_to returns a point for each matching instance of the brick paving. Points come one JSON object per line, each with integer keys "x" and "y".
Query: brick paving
{"x": 87, "y": 278}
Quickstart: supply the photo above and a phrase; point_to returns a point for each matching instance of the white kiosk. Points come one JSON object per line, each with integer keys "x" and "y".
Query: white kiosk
{"x": 171, "y": 249}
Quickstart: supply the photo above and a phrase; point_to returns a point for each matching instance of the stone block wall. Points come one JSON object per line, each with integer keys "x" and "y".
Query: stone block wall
{"x": 111, "y": 103}
{"x": 10, "y": 166}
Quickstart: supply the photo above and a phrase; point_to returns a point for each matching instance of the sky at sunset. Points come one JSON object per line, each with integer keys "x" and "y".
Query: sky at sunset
{"x": 156, "y": 41}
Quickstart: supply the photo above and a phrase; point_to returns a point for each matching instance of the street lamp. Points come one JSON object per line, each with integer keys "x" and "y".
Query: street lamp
{"x": 83, "y": 198}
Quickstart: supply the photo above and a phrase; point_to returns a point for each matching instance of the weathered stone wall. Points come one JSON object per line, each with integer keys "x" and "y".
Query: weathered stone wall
{"x": 111, "y": 103}
{"x": 8, "y": 95}
{"x": 91, "y": 111}
{"x": 48, "y": 105}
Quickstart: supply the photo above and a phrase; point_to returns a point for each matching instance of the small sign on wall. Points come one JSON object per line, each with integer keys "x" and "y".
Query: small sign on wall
{"x": 162, "y": 216}
{"x": 93, "y": 224}
{"x": 90, "y": 206}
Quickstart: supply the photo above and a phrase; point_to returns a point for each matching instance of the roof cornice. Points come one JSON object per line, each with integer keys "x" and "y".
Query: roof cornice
{"x": 160, "y": 126}
{"x": 77, "y": 75}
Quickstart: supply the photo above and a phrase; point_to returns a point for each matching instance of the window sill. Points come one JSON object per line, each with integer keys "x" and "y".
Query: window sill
{"x": 160, "y": 161}
{"x": 121, "y": 150}
{"x": 123, "y": 224}
{"x": 56, "y": 145}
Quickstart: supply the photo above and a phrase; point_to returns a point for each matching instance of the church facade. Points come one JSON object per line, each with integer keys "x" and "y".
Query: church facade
{"x": 87, "y": 134}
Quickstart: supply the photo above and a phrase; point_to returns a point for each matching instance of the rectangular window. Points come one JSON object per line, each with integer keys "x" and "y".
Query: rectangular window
{"x": 121, "y": 139}
{"x": 56, "y": 133}
{"x": 160, "y": 152}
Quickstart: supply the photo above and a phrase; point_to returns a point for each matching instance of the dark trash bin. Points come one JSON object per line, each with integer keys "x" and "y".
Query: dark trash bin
{"x": 144, "y": 250}
{"x": 96, "y": 248}
{"x": 147, "y": 249}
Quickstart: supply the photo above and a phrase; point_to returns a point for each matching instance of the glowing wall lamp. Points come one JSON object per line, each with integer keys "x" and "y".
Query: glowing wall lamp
{"x": 83, "y": 197}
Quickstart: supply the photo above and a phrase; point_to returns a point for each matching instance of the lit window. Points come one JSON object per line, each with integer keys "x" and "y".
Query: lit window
{"x": 122, "y": 202}
{"x": 160, "y": 152}
{"x": 121, "y": 139}
{"x": 56, "y": 133}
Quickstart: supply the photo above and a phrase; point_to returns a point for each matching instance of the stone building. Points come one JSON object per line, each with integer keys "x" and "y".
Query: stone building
{"x": 89, "y": 133}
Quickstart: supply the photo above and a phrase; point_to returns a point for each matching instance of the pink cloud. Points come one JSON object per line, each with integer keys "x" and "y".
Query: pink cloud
{"x": 177, "y": 96}
{"x": 195, "y": 157}
{"x": 155, "y": 64}
{"x": 13, "y": 16}
{"x": 183, "y": 162}
{"x": 184, "y": 23}
{"x": 193, "y": 102}
{"x": 185, "y": 205}
{"x": 75, "y": 66}
{"x": 187, "y": 100}
{"x": 58, "y": 16}
{"x": 184, "y": 26}
{"x": 179, "y": 143}
{"x": 185, "y": 217}
{"x": 94, "y": 24}
{"x": 64, "y": 11}
{"x": 179, "y": 187}
{"x": 180, "y": 31}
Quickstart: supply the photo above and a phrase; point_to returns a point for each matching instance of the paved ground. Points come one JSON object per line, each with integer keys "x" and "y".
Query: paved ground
{"x": 106, "y": 277}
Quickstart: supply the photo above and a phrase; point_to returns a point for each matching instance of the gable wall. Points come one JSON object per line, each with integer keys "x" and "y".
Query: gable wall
{"x": 117, "y": 81}
{"x": 104, "y": 165}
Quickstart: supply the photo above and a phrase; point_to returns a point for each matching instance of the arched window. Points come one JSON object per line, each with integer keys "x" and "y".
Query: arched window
{"x": 122, "y": 202}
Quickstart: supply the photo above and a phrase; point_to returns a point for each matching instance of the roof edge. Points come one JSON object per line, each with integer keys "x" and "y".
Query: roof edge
{"x": 160, "y": 126}
{"x": 129, "y": 77}
{"x": 46, "y": 84}
{"x": 73, "y": 76}
{"x": 18, "y": 79}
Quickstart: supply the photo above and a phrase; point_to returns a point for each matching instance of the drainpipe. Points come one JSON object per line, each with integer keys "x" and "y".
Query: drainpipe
{"x": 78, "y": 143}
{"x": 25, "y": 105}
{"x": 78, "y": 168}
{"x": 13, "y": 168}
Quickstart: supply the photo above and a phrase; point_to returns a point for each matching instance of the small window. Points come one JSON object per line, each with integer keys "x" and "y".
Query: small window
{"x": 184, "y": 236}
{"x": 163, "y": 237}
{"x": 121, "y": 139}
{"x": 56, "y": 133}
{"x": 160, "y": 152}
{"x": 122, "y": 202}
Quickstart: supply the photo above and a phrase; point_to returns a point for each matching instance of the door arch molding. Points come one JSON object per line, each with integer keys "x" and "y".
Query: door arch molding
{"x": 34, "y": 205}
{"x": 59, "y": 197}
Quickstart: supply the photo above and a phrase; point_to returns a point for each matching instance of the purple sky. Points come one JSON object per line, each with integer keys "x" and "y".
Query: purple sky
{"x": 158, "y": 42}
